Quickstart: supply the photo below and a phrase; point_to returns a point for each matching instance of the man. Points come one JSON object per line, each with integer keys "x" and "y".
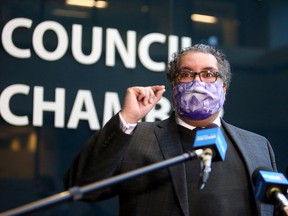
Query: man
{"x": 200, "y": 76}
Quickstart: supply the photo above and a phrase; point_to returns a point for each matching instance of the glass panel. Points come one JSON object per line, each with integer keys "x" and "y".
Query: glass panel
{"x": 65, "y": 69}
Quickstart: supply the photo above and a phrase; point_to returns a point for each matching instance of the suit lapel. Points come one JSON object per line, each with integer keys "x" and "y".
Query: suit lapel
{"x": 170, "y": 145}
{"x": 248, "y": 149}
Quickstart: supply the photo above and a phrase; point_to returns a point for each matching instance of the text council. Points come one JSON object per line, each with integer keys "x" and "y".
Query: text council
{"x": 127, "y": 51}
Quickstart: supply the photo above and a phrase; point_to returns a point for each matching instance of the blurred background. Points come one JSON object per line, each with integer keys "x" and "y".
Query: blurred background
{"x": 66, "y": 64}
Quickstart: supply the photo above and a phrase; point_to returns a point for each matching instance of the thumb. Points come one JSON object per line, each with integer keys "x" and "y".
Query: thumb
{"x": 158, "y": 91}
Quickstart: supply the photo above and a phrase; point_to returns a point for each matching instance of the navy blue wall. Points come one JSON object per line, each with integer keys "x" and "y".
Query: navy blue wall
{"x": 35, "y": 152}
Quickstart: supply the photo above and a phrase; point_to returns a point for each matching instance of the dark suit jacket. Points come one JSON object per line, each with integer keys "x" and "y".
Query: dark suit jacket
{"x": 110, "y": 152}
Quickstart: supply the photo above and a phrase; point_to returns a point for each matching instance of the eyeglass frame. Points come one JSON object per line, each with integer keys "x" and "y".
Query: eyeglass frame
{"x": 193, "y": 74}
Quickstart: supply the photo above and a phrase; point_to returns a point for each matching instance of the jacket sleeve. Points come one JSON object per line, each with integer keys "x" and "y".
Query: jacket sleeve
{"x": 99, "y": 159}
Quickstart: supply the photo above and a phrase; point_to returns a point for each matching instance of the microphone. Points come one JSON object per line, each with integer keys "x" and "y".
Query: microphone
{"x": 214, "y": 145}
{"x": 270, "y": 188}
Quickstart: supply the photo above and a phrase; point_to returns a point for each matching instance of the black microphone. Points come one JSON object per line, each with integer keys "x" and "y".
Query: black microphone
{"x": 214, "y": 149}
{"x": 270, "y": 188}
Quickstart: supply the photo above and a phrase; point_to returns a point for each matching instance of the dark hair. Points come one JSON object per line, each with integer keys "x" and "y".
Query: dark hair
{"x": 223, "y": 64}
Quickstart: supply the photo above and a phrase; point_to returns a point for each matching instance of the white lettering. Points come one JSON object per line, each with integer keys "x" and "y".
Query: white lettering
{"x": 143, "y": 51}
{"x": 83, "y": 107}
{"x": 128, "y": 55}
{"x": 172, "y": 45}
{"x": 206, "y": 137}
{"x": 84, "y": 99}
{"x": 62, "y": 38}
{"x": 185, "y": 42}
{"x": 7, "y": 39}
{"x": 96, "y": 47}
{"x": 272, "y": 177}
{"x": 5, "y": 99}
{"x": 111, "y": 106}
{"x": 127, "y": 51}
{"x": 39, "y": 106}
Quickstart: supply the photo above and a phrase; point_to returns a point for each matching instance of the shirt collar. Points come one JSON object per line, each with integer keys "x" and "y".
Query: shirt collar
{"x": 179, "y": 121}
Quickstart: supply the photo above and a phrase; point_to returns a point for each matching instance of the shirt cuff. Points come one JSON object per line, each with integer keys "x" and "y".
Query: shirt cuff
{"x": 125, "y": 127}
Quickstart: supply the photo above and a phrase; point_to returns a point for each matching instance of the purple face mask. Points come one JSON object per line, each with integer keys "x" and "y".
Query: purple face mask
{"x": 197, "y": 100}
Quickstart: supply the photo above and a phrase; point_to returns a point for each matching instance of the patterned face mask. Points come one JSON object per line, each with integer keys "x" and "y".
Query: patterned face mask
{"x": 198, "y": 100}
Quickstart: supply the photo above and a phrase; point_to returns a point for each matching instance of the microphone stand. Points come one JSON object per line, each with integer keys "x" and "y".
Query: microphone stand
{"x": 285, "y": 210}
{"x": 76, "y": 193}
{"x": 284, "y": 204}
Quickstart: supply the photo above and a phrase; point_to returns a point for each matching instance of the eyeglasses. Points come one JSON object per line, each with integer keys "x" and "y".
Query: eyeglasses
{"x": 208, "y": 76}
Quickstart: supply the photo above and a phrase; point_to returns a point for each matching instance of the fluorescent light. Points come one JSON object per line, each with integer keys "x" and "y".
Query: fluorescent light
{"x": 203, "y": 18}
{"x": 101, "y": 4}
{"x": 88, "y": 3}
{"x": 83, "y": 3}
{"x": 70, "y": 13}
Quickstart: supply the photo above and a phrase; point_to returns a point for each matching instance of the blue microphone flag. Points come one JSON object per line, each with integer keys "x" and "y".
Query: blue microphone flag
{"x": 265, "y": 183}
{"x": 212, "y": 138}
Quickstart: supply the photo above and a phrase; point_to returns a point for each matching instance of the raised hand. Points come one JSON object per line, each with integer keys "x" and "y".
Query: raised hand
{"x": 139, "y": 101}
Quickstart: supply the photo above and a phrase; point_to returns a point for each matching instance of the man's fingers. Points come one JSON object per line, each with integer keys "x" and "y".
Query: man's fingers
{"x": 150, "y": 94}
{"x": 143, "y": 94}
{"x": 158, "y": 90}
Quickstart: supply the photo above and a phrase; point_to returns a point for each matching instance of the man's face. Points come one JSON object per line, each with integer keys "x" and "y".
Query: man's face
{"x": 198, "y": 61}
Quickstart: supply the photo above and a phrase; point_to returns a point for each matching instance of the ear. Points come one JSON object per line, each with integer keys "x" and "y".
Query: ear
{"x": 225, "y": 89}
{"x": 173, "y": 84}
